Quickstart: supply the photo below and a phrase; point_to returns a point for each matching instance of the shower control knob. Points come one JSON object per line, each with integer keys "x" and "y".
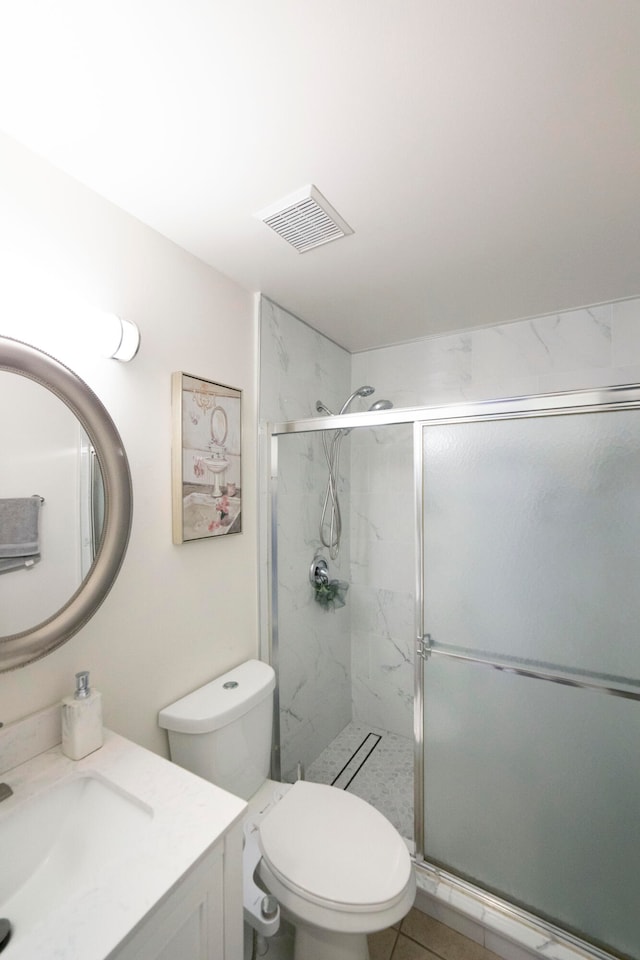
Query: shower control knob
{"x": 318, "y": 571}
{"x": 269, "y": 907}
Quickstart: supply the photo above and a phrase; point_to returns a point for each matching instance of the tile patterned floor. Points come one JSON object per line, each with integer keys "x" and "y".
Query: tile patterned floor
{"x": 419, "y": 937}
{"x": 375, "y": 765}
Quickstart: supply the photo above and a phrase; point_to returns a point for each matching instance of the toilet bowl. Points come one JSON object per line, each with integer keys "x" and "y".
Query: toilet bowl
{"x": 337, "y": 867}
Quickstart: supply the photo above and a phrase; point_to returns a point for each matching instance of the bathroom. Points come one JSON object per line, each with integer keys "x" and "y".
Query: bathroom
{"x": 179, "y": 615}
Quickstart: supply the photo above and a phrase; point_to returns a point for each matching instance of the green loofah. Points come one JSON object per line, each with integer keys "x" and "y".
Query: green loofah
{"x": 331, "y": 594}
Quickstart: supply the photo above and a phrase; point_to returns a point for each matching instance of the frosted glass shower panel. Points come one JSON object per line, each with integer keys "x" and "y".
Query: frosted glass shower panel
{"x": 532, "y": 540}
{"x": 311, "y": 644}
{"x": 532, "y": 791}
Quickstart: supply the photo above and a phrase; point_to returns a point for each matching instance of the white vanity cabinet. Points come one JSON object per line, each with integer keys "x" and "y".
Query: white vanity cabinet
{"x": 119, "y": 856}
{"x": 201, "y": 917}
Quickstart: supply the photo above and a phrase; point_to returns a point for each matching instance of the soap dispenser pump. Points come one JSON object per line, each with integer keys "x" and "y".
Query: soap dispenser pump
{"x": 82, "y": 720}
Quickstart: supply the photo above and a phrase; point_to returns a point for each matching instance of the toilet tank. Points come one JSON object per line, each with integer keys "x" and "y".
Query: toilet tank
{"x": 222, "y": 731}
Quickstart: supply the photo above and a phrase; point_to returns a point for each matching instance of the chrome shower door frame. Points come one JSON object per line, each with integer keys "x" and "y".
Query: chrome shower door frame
{"x": 607, "y": 399}
{"x": 275, "y": 430}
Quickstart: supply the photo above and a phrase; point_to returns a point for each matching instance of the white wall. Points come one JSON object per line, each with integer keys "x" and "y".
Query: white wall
{"x": 177, "y": 615}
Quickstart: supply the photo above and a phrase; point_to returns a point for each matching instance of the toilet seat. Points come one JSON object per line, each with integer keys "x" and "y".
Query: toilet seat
{"x": 333, "y": 849}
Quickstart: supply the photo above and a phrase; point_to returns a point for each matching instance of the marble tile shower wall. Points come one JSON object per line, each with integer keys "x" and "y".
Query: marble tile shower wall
{"x": 579, "y": 349}
{"x": 298, "y": 366}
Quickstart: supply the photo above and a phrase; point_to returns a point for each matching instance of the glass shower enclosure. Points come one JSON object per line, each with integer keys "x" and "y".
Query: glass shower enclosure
{"x": 526, "y": 651}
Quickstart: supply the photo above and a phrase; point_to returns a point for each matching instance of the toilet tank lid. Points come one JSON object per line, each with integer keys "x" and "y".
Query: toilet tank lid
{"x": 221, "y": 701}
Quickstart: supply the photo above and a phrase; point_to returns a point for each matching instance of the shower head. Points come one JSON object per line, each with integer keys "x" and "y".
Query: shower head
{"x": 364, "y": 391}
{"x": 360, "y": 392}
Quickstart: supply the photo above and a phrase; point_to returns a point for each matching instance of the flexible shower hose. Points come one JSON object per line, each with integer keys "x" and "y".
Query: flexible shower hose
{"x": 331, "y": 501}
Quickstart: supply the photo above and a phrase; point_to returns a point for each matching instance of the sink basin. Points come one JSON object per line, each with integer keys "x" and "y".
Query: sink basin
{"x": 53, "y": 845}
{"x": 91, "y": 849}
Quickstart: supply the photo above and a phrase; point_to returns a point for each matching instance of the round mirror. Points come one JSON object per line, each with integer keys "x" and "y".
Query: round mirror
{"x": 65, "y": 504}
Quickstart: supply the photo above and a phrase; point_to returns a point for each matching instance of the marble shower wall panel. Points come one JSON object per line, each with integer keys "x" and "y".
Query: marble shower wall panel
{"x": 438, "y": 368}
{"x": 568, "y": 351}
{"x": 574, "y": 350}
{"x": 382, "y": 575}
{"x": 298, "y": 366}
{"x": 625, "y": 342}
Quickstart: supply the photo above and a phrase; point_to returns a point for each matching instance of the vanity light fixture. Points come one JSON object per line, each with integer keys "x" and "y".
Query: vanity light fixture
{"x": 120, "y": 338}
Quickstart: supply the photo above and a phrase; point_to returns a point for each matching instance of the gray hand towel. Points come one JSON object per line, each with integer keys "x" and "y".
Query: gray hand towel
{"x": 17, "y": 563}
{"x": 19, "y": 541}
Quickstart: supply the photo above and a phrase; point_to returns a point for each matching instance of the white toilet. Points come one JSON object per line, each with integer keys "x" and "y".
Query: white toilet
{"x": 338, "y": 868}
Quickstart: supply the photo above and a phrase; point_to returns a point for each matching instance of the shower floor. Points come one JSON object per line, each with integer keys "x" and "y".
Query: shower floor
{"x": 375, "y": 765}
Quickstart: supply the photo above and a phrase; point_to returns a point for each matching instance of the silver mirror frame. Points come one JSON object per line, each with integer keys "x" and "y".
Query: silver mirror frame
{"x": 22, "y": 648}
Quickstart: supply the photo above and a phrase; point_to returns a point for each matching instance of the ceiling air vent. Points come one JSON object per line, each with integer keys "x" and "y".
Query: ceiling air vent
{"x": 305, "y": 220}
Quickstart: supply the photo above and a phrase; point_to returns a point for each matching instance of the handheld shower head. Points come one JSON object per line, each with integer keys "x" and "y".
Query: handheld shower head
{"x": 360, "y": 392}
{"x": 330, "y": 521}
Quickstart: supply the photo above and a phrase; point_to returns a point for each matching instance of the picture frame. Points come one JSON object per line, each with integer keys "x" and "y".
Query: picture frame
{"x": 206, "y": 458}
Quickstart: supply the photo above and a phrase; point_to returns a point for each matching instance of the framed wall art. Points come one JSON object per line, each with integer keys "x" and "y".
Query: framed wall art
{"x": 206, "y": 461}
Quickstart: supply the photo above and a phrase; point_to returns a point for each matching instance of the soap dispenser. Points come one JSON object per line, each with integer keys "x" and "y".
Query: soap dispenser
{"x": 82, "y": 720}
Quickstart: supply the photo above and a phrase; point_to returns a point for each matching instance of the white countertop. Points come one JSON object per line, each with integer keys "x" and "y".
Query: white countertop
{"x": 187, "y": 817}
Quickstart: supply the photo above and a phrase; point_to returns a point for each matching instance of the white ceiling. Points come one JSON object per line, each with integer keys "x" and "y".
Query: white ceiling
{"x": 486, "y": 152}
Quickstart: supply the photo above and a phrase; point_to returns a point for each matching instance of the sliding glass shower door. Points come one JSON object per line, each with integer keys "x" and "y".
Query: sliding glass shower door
{"x": 531, "y": 607}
